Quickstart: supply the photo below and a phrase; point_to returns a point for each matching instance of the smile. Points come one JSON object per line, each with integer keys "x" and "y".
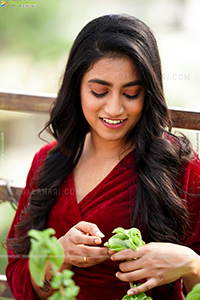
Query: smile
{"x": 113, "y": 122}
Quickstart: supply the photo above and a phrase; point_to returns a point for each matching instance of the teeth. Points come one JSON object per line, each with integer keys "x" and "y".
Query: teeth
{"x": 112, "y": 121}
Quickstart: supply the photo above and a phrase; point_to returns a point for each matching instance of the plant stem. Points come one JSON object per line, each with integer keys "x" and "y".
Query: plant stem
{"x": 131, "y": 285}
{"x": 62, "y": 290}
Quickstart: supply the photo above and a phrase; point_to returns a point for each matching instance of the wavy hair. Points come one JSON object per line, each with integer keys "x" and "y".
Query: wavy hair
{"x": 158, "y": 208}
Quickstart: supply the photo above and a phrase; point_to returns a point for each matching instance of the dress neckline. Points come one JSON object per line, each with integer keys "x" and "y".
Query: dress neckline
{"x": 123, "y": 160}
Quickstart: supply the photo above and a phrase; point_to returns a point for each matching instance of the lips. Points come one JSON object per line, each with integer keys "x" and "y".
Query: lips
{"x": 113, "y": 123}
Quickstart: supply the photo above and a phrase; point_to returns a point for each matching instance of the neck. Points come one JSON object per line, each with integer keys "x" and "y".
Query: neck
{"x": 96, "y": 146}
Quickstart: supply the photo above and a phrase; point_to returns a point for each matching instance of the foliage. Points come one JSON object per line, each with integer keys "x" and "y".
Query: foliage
{"x": 68, "y": 289}
{"x": 34, "y": 31}
{"x": 46, "y": 248}
{"x": 131, "y": 238}
{"x": 127, "y": 239}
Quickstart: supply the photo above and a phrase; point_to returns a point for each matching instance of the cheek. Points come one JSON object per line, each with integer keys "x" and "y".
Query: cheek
{"x": 137, "y": 108}
{"x": 90, "y": 104}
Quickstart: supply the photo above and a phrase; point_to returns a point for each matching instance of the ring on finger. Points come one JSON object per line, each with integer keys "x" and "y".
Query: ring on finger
{"x": 85, "y": 259}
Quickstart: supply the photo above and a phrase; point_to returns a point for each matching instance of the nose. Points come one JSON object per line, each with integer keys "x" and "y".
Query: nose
{"x": 114, "y": 106}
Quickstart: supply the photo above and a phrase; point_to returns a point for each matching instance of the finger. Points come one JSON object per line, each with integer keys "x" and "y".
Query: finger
{"x": 128, "y": 266}
{"x": 131, "y": 276}
{"x": 90, "y": 228}
{"x": 78, "y": 237}
{"x": 148, "y": 285}
{"x": 93, "y": 256}
{"x": 89, "y": 251}
{"x": 93, "y": 252}
{"x": 126, "y": 254}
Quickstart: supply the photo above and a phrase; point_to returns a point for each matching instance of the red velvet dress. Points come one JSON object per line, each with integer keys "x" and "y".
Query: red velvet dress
{"x": 108, "y": 205}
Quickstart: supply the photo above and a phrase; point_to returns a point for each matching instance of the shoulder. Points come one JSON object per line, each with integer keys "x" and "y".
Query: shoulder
{"x": 38, "y": 162}
{"x": 194, "y": 171}
{"x": 45, "y": 149}
{"x": 189, "y": 160}
{"x": 40, "y": 156}
{"x": 190, "y": 171}
{"x": 191, "y": 177}
{"x": 176, "y": 141}
{"x": 188, "y": 186}
{"x": 192, "y": 168}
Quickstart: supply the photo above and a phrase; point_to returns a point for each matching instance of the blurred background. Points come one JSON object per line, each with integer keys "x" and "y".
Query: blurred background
{"x": 34, "y": 46}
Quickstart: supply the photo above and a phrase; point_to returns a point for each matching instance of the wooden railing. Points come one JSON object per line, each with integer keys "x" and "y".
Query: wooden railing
{"x": 4, "y": 288}
{"x": 181, "y": 118}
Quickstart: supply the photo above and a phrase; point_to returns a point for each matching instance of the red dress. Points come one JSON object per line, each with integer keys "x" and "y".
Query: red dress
{"x": 108, "y": 205}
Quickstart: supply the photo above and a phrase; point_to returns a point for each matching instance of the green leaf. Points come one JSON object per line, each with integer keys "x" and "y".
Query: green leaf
{"x": 127, "y": 239}
{"x": 117, "y": 248}
{"x": 66, "y": 274}
{"x": 106, "y": 244}
{"x": 130, "y": 245}
{"x": 116, "y": 241}
{"x": 56, "y": 281}
{"x": 43, "y": 248}
{"x": 40, "y": 235}
{"x": 46, "y": 248}
{"x": 118, "y": 230}
{"x": 120, "y": 236}
{"x": 71, "y": 291}
{"x": 37, "y": 272}
{"x": 56, "y": 296}
{"x": 126, "y": 297}
{"x": 136, "y": 240}
{"x": 141, "y": 296}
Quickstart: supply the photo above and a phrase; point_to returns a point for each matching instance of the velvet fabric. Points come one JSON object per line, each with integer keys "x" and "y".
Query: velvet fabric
{"x": 109, "y": 206}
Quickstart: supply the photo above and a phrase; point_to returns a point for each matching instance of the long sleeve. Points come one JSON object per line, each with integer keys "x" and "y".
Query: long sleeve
{"x": 17, "y": 270}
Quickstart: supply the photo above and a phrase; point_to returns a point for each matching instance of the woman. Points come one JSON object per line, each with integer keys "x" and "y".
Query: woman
{"x": 113, "y": 164}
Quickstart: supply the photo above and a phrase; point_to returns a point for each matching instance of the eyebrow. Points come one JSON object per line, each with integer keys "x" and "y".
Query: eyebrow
{"x": 103, "y": 82}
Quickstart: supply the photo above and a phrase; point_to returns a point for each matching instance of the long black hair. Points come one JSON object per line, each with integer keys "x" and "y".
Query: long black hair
{"x": 158, "y": 209}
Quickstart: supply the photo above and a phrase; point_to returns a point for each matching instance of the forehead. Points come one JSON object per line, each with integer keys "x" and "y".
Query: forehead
{"x": 113, "y": 68}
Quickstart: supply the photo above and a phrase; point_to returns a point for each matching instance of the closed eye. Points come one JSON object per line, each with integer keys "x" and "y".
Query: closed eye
{"x": 130, "y": 96}
{"x": 98, "y": 95}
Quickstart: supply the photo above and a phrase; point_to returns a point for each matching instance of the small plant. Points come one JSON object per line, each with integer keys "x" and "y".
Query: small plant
{"x": 127, "y": 239}
{"x": 132, "y": 239}
{"x": 46, "y": 248}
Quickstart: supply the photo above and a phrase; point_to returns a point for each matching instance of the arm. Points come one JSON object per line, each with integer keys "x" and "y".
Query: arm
{"x": 161, "y": 263}
{"x": 45, "y": 291}
{"x": 79, "y": 242}
{"x": 158, "y": 264}
{"x": 17, "y": 270}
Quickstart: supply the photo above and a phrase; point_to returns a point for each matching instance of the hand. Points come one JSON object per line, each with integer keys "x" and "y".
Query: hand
{"x": 81, "y": 241}
{"x": 157, "y": 263}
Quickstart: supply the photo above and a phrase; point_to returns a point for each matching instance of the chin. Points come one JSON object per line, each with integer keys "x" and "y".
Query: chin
{"x": 112, "y": 138}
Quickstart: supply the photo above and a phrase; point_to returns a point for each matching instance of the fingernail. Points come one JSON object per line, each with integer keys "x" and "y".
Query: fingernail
{"x": 111, "y": 252}
{"x": 130, "y": 293}
{"x": 117, "y": 274}
{"x": 97, "y": 241}
{"x": 101, "y": 234}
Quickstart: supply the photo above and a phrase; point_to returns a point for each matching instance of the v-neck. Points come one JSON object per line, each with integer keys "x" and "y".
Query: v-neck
{"x": 72, "y": 183}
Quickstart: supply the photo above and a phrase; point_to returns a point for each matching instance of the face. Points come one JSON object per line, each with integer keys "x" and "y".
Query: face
{"x": 112, "y": 98}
